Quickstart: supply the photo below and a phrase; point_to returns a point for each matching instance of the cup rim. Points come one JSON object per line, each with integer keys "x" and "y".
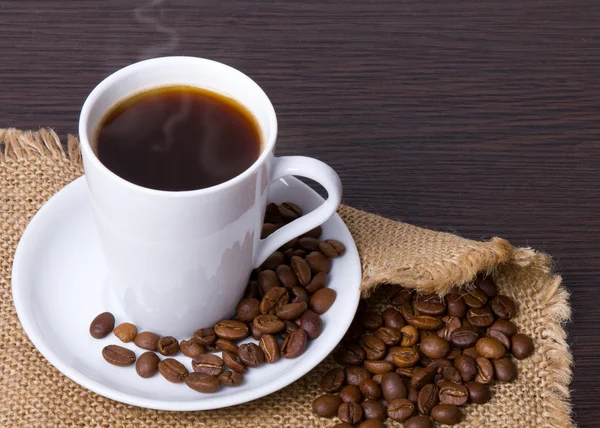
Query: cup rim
{"x": 86, "y": 148}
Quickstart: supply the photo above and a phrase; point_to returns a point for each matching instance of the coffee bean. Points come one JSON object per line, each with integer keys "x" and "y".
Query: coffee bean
{"x": 392, "y": 386}
{"x": 522, "y": 346}
{"x": 435, "y": 347}
{"x": 397, "y": 295}
{"x": 267, "y": 279}
{"x": 308, "y": 244}
{"x": 332, "y": 248}
{"x": 167, "y": 346}
{"x": 466, "y": 367}
{"x": 413, "y": 395}
{"x": 410, "y": 336}
{"x": 439, "y": 362}
{"x": 471, "y": 352}
{"x": 392, "y": 318}
{"x": 356, "y": 374}
{"x": 231, "y": 330}
{"x": 480, "y": 317}
{"x": 252, "y": 290}
{"x": 478, "y": 393}
{"x": 102, "y": 325}
{"x": 406, "y": 357}
{"x": 418, "y": 422}
{"x": 428, "y": 398}
{"x": 505, "y": 326}
{"x": 372, "y": 423}
{"x": 371, "y": 320}
{"x": 318, "y": 262}
{"x": 147, "y": 365}
{"x": 289, "y": 327}
{"x": 504, "y": 369}
{"x": 464, "y": 337}
{"x": 247, "y": 309}
{"x": 268, "y": 229}
{"x": 500, "y": 337}
{"x": 422, "y": 376}
{"x": 298, "y": 294}
{"x": 286, "y": 276}
{"x": 446, "y": 414}
{"x": 274, "y": 260}
{"x": 450, "y": 374}
{"x": 456, "y": 305}
{"x": 389, "y": 335}
{"x": 373, "y": 410}
{"x": 251, "y": 355}
{"x": 301, "y": 269}
{"x": 275, "y": 298}
{"x": 289, "y": 211}
{"x": 272, "y": 214}
{"x": 504, "y": 307}
{"x": 374, "y": 347}
{"x": 350, "y": 394}
{"x": 118, "y": 356}
{"x": 370, "y": 389}
{"x": 203, "y": 383}
{"x": 317, "y": 282}
{"x": 400, "y": 409}
{"x": 270, "y": 347}
{"x": 208, "y": 364}
{"x": 226, "y": 345}
{"x": 191, "y": 349}
{"x": 172, "y": 370}
{"x": 430, "y": 305}
{"x": 311, "y": 323}
{"x": 126, "y": 332}
{"x": 294, "y": 345}
{"x": 269, "y": 324}
{"x": 256, "y": 335}
{"x": 487, "y": 285}
{"x": 291, "y": 311}
{"x": 321, "y": 301}
{"x": 453, "y": 393}
{"x": 489, "y": 347}
{"x": 425, "y": 322}
{"x": 333, "y": 380}
{"x": 314, "y": 233}
{"x": 326, "y": 406}
{"x": 351, "y": 413}
{"x": 475, "y": 298}
{"x": 296, "y": 252}
{"x": 231, "y": 378}
{"x": 406, "y": 372}
{"x": 377, "y": 378}
{"x": 485, "y": 370}
{"x": 203, "y": 336}
{"x": 350, "y": 354}
{"x": 454, "y": 352}
{"x": 232, "y": 361}
{"x": 450, "y": 324}
{"x": 378, "y": 366}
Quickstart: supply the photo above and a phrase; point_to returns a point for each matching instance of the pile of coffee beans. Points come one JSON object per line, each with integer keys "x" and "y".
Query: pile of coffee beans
{"x": 280, "y": 310}
{"x": 423, "y": 357}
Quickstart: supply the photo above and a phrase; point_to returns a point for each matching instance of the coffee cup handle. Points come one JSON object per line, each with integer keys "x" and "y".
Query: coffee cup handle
{"x": 310, "y": 168}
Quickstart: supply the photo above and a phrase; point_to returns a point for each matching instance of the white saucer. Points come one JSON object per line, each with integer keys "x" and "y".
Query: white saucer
{"x": 59, "y": 286}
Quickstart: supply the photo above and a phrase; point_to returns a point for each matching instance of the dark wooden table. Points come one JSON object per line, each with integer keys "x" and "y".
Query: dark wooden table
{"x": 480, "y": 117}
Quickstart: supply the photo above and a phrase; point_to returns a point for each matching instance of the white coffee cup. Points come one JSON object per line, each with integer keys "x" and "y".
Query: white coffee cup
{"x": 180, "y": 261}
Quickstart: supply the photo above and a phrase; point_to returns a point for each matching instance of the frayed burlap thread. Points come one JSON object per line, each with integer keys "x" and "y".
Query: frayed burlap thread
{"x": 35, "y": 165}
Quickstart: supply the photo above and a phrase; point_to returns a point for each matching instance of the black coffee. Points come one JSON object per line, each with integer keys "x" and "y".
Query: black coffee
{"x": 178, "y": 138}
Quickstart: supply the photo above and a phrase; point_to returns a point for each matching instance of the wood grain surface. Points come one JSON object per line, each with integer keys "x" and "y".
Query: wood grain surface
{"x": 477, "y": 117}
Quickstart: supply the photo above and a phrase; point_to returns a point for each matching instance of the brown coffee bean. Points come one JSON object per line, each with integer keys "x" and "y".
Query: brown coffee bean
{"x": 435, "y": 347}
{"x": 326, "y": 406}
{"x": 270, "y": 347}
{"x": 351, "y": 413}
{"x": 203, "y": 336}
{"x": 314, "y": 233}
{"x": 464, "y": 337}
{"x": 392, "y": 318}
{"x": 126, "y": 332}
{"x": 252, "y": 290}
{"x": 373, "y": 410}
{"x": 500, "y": 337}
{"x": 428, "y": 398}
{"x": 294, "y": 345}
{"x": 504, "y": 307}
{"x": 191, "y": 349}
{"x": 289, "y": 327}
{"x": 272, "y": 214}
{"x": 522, "y": 346}
{"x": 356, "y": 374}
{"x": 311, "y": 323}
{"x": 118, "y": 356}
{"x": 505, "y": 326}
{"x": 422, "y": 376}
{"x": 413, "y": 395}
{"x": 232, "y": 361}
{"x": 290, "y": 211}
{"x": 147, "y": 365}
{"x": 301, "y": 269}
{"x": 430, "y": 305}
{"x": 439, "y": 362}
{"x": 487, "y": 285}
{"x": 453, "y": 393}
{"x": 456, "y": 305}
{"x": 400, "y": 409}
{"x": 425, "y": 322}
{"x": 450, "y": 374}
{"x": 504, "y": 369}
{"x": 466, "y": 367}
{"x": 167, "y": 346}
{"x": 333, "y": 380}
{"x": 295, "y": 252}
{"x": 274, "y": 260}
{"x": 226, "y": 345}
{"x": 471, "y": 352}
{"x": 406, "y": 357}
{"x": 475, "y": 298}
{"x": 389, "y": 335}
{"x": 350, "y": 394}
{"x": 172, "y": 370}
{"x": 392, "y": 386}
{"x": 377, "y": 378}
{"x": 291, "y": 311}
{"x": 286, "y": 276}
{"x": 231, "y": 378}
{"x": 275, "y": 298}
{"x": 203, "y": 383}
{"x": 256, "y": 335}
{"x": 485, "y": 370}
{"x": 397, "y": 295}
{"x": 371, "y": 320}
{"x": 406, "y": 372}
{"x": 298, "y": 294}
{"x": 446, "y": 414}
{"x": 308, "y": 244}
{"x": 374, "y": 347}
{"x": 317, "y": 282}
{"x": 410, "y": 336}
{"x": 454, "y": 352}
{"x": 371, "y": 423}
{"x": 318, "y": 262}
{"x": 321, "y": 301}
{"x": 102, "y": 325}
{"x": 208, "y": 364}
{"x": 231, "y": 330}
{"x": 247, "y": 309}
{"x": 147, "y": 340}
{"x": 350, "y": 354}
{"x": 378, "y": 366}
{"x": 489, "y": 347}
{"x": 269, "y": 324}
{"x": 370, "y": 389}
{"x": 267, "y": 279}
{"x": 332, "y": 248}
{"x": 478, "y": 393}
{"x": 418, "y": 422}
{"x": 268, "y": 229}
{"x": 251, "y": 354}
{"x": 450, "y": 324}
{"x": 480, "y": 317}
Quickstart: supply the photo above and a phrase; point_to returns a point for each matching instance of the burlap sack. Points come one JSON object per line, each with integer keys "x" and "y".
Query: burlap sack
{"x": 33, "y": 166}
